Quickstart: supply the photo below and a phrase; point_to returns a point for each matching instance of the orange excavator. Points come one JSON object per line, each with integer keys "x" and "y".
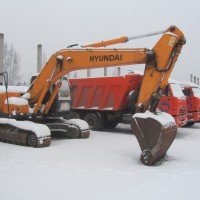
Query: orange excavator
{"x": 155, "y": 131}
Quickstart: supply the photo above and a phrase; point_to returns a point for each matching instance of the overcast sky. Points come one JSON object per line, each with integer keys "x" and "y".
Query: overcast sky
{"x": 57, "y": 24}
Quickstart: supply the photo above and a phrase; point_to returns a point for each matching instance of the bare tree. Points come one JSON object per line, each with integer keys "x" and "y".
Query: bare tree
{"x": 11, "y": 65}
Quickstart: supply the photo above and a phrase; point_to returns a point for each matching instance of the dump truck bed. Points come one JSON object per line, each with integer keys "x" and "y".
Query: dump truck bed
{"x": 103, "y": 93}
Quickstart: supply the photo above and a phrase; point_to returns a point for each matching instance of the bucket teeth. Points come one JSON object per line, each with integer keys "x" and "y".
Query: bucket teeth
{"x": 155, "y": 133}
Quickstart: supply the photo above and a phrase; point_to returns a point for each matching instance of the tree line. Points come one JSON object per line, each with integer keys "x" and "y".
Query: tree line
{"x": 12, "y": 65}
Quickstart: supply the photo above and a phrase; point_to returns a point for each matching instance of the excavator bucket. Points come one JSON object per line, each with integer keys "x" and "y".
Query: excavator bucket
{"x": 155, "y": 133}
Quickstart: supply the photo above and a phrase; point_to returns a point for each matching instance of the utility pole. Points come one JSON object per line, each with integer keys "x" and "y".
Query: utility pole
{"x": 105, "y": 71}
{"x": 88, "y": 73}
{"x": 1, "y": 57}
{"x": 39, "y": 58}
{"x": 118, "y": 71}
{"x": 191, "y": 78}
{"x": 195, "y": 79}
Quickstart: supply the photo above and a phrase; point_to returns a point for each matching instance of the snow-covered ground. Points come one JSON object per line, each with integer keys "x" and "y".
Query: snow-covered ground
{"x": 105, "y": 166}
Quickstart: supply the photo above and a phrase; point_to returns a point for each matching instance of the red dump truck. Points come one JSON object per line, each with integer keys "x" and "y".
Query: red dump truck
{"x": 105, "y": 101}
{"x": 192, "y": 92}
{"x": 174, "y": 102}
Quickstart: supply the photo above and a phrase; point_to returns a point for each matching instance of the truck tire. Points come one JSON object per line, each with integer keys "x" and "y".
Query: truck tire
{"x": 132, "y": 99}
{"x": 101, "y": 118}
{"x": 93, "y": 121}
{"x": 111, "y": 124}
{"x": 189, "y": 124}
{"x": 72, "y": 115}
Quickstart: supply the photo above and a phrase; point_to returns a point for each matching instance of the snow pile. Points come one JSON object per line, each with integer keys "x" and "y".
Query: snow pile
{"x": 105, "y": 166}
{"x": 16, "y": 101}
{"x": 164, "y": 118}
{"x": 40, "y": 130}
{"x": 83, "y": 125}
{"x": 196, "y": 92}
{"x": 189, "y": 84}
{"x": 177, "y": 90}
{"x": 26, "y": 95}
{"x": 194, "y": 86}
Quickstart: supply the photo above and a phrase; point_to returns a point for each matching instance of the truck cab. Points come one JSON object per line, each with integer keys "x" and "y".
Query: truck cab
{"x": 64, "y": 96}
{"x": 62, "y": 103}
{"x": 174, "y": 102}
{"x": 192, "y": 93}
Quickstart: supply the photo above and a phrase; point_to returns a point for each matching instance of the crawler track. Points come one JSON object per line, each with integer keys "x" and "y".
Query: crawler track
{"x": 66, "y": 128}
{"x": 15, "y": 135}
{"x": 17, "y": 132}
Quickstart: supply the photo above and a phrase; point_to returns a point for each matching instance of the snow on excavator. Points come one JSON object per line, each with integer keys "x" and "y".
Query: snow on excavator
{"x": 154, "y": 131}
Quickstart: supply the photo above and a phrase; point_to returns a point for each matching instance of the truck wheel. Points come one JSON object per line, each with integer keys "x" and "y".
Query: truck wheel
{"x": 132, "y": 99}
{"x": 101, "y": 119}
{"x": 111, "y": 124}
{"x": 189, "y": 124}
{"x": 92, "y": 120}
{"x": 73, "y": 115}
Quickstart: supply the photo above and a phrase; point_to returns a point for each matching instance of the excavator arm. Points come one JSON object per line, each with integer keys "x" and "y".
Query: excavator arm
{"x": 159, "y": 64}
{"x": 158, "y": 69}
